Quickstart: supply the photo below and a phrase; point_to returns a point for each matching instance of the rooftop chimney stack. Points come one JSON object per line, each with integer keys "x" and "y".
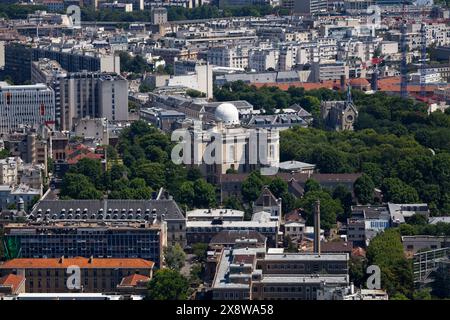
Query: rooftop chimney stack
{"x": 317, "y": 227}
{"x": 342, "y": 82}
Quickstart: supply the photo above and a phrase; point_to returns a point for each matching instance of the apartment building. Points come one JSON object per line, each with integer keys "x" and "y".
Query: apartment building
{"x": 332, "y": 70}
{"x": 231, "y": 57}
{"x": 8, "y": 171}
{"x": 263, "y": 59}
{"x": 50, "y": 275}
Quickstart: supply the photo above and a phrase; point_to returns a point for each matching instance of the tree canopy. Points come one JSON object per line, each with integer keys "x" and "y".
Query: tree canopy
{"x": 168, "y": 284}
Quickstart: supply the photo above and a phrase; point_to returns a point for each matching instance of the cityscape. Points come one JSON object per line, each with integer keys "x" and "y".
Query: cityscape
{"x": 225, "y": 150}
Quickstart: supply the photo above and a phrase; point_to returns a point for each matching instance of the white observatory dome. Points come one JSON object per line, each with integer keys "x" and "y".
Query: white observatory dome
{"x": 227, "y": 113}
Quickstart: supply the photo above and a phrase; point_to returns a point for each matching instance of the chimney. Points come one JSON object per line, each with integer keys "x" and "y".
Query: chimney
{"x": 374, "y": 80}
{"x": 317, "y": 228}
{"x": 342, "y": 82}
{"x": 20, "y": 205}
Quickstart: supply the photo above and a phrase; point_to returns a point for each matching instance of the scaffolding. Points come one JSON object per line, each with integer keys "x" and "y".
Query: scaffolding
{"x": 428, "y": 261}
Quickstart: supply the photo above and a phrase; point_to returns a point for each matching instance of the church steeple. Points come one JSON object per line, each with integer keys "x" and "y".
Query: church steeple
{"x": 349, "y": 94}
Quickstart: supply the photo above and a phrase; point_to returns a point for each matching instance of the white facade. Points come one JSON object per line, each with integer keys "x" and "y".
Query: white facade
{"x": 261, "y": 60}
{"x": 201, "y": 80}
{"x": 8, "y": 171}
{"x": 32, "y": 105}
{"x": 234, "y": 57}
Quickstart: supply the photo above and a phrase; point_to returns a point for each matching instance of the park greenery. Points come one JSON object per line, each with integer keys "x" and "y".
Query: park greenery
{"x": 146, "y": 166}
{"x": 396, "y": 145}
{"x": 401, "y": 149}
{"x": 181, "y": 13}
{"x": 17, "y": 11}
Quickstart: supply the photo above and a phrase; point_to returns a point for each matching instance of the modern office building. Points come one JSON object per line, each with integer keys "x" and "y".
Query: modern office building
{"x": 163, "y": 210}
{"x": 86, "y": 239}
{"x": 18, "y": 59}
{"x": 83, "y": 94}
{"x": 310, "y": 7}
{"x": 25, "y": 105}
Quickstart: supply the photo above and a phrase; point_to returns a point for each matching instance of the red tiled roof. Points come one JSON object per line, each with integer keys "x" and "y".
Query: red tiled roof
{"x": 77, "y": 152}
{"x": 330, "y": 84}
{"x": 12, "y": 280}
{"x": 42, "y": 263}
{"x": 359, "y": 82}
{"x": 134, "y": 279}
{"x": 390, "y": 84}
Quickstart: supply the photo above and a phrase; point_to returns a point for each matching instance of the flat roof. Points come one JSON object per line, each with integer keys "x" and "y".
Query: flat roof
{"x": 306, "y": 256}
{"x": 295, "y": 279}
{"x": 232, "y": 224}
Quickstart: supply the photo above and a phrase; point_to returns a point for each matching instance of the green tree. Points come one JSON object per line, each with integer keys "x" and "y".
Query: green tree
{"x": 78, "y": 186}
{"x": 174, "y": 257}
{"x": 344, "y": 195}
{"x": 233, "y": 203}
{"x": 290, "y": 245}
{"x": 423, "y": 294}
{"x": 312, "y": 185}
{"x": 200, "y": 251}
{"x": 395, "y": 190}
{"x": 278, "y": 187}
{"x": 364, "y": 189}
{"x": 252, "y": 186}
{"x": 168, "y": 284}
{"x": 386, "y": 251}
{"x": 90, "y": 168}
{"x": 204, "y": 194}
{"x": 144, "y": 88}
{"x": 441, "y": 284}
{"x": 153, "y": 173}
{"x": 329, "y": 208}
{"x": 357, "y": 267}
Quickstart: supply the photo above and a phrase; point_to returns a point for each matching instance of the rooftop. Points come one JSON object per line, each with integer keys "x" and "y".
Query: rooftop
{"x": 40, "y": 263}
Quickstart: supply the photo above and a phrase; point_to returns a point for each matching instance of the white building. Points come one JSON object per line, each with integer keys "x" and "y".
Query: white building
{"x": 201, "y": 80}
{"x": 263, "y": 59}
{"x": 212, "y": 214}
{"x": 226, "y": 145}
{"x": 231, "y": 57}
{"x": 8, "y": 171}
{"x": 31, "y": 105}
{"x": 388, "y": 47}
{"x": 95, "y": 130}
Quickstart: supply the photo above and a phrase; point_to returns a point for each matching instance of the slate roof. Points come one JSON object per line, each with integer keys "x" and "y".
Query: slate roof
{"x": 265, "y": 192}
{"x": 111, "y": 209}
{"x": 230, "y": 236}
